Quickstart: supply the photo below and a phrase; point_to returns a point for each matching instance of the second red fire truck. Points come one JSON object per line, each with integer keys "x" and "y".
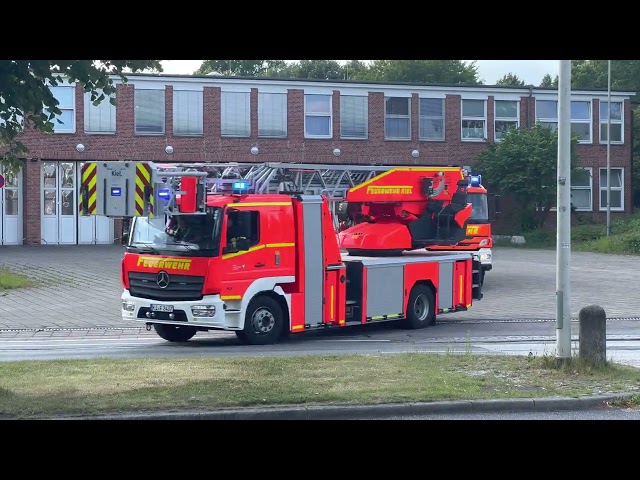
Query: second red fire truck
{"x": 267, "y": 265}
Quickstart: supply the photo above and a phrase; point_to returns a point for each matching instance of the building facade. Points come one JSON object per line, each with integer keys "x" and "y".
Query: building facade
{"x": 167, "y": 118}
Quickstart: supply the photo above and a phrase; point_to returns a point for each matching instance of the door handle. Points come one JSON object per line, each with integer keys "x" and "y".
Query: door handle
{"x": 259, "y": 265}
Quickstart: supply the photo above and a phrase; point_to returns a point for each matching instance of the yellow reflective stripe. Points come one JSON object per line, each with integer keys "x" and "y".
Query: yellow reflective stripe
{"x": 332, "y": 293}
{"x": 341, "y": 322}
{"x": 297, "y": 327}
{"x": 460, "y": 288}
{"x": 408, "y": 169}
{"x": 258, "y": 247}
{"x": 230, "y": 297}
{"x": 259, "y": 204}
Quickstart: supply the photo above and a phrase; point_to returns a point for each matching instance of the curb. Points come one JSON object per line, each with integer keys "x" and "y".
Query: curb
{"x": 363, "y": 412}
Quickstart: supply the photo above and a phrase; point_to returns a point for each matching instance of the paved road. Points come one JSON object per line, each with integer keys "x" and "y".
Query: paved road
{"x": 82, "y": 286}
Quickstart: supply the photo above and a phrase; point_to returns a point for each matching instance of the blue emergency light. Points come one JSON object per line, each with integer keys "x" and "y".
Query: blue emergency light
{"x": 164, "y": 193}
{"x": 116, "y": 191}
{"x": 240, "y": 185}
{"x": 475, "y": 180}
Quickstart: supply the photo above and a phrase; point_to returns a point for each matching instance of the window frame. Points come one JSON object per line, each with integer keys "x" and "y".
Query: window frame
{"x": 589, "y": 188}
{"x": 602, "y": 189}
{"x": 365, "y": 99}
{"x": 58, "y": 127}
{"x": 388, "y": 116}
{"x": 504, "y": 119}
{"x": 135, "y": 114}
{"x": 105, "y": 103}
{"x": 422, "y": 118}
{"x": 262, "y": 116}
{"x": 467, "y": 118}
{"x": 318, "y": 114}
{"x": 224, "y": 96}
{"x": 199, "y": 117}
{"x": 603, "y": 123}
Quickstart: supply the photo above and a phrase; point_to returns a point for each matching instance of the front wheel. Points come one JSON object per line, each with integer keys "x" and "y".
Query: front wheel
{"x": 420, "y": 308}
{"x": 174, "y": 333}
{"x": 264, "y": 322}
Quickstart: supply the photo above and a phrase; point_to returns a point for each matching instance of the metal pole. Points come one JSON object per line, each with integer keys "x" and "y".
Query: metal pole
{"x": 563, "y": 221}
{"x": 608, "y": 147}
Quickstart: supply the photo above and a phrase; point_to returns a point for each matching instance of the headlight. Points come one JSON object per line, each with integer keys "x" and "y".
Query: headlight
{"x": 203, "y": 310}
{"x": 484, "y": 242}
{"x": 485, "y": 256}
{"x": 128, "y": 306}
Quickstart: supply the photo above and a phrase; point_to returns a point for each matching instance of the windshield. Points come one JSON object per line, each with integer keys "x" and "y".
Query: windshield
{"x": 479, "y": 207}
{"x": 197, "y": 235}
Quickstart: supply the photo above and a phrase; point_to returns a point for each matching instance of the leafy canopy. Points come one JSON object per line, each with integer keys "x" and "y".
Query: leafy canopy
{"x": 27, "y": 101}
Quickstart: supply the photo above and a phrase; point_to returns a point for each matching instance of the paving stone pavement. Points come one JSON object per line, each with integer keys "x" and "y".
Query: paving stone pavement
{"x": 79, "y": 287}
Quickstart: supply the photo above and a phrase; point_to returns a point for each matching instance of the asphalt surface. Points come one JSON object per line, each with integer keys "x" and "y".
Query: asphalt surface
{"x": 80, "y": 292}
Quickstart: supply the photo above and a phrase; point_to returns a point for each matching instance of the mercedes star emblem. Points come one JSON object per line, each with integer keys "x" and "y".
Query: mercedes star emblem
{"x": 162, "y": 279}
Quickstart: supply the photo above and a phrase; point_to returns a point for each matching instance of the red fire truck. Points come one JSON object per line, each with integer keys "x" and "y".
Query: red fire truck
{"x": 264, "y": 265}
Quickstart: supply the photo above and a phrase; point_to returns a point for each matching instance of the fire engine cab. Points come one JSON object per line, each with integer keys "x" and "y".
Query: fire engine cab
{"x": 207, "y": 253}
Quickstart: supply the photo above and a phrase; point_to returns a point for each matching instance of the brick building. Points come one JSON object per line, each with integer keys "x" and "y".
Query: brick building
{"x": 219, "y": 119}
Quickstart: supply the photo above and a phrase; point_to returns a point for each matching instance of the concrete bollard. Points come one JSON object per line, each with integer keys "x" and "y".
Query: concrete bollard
{"x": 593, "y": 334}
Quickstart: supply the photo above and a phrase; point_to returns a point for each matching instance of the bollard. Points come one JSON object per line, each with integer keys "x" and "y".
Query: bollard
{"x": 593, "y": 334}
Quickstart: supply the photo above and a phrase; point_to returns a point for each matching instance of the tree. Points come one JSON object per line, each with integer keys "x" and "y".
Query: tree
{"x": 242, "y": 68}
{"x": 625, "y": 75}
{"x": 423, "y": 71}
{"x": 523, "y": 164}
{"x": 511, "y": 79}
{"x": 27, "y": 101}
{"x": 317, "y": 69}
{"x": 548, "y": 82}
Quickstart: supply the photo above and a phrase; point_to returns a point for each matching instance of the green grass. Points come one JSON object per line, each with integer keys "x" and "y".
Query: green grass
{"x": 36, "y": 389}
{"x": 10, "y": 280}
{"x": 624, "y": 238}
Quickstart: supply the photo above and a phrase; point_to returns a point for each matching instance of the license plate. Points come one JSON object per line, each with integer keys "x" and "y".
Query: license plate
{"x": 162, "y": 308}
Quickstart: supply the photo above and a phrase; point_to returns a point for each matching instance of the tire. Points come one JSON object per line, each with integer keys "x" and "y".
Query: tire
{"x": 421, "y": 311}
{"x": 174, "y": 333}
{"x": 264, "y": 322}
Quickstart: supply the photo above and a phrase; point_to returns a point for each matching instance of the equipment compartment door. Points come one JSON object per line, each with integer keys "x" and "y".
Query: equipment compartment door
{"x": 384, "y": 291}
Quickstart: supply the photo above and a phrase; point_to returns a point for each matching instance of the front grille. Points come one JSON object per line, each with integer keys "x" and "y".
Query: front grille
{"x": 180, "y": 288}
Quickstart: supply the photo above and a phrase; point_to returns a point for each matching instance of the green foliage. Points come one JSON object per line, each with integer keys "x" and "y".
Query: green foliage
{"x": 29, "y": 103}
{"x": 548, "y": 82}
{"x": 510, "y": 79}
{"x": 424, "y": 71}
{"x": 243, "y": 68}
{"x": 523, "y": 164}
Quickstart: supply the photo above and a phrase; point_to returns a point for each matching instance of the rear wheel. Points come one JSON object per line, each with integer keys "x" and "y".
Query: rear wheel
{"x": 264, "y": 322}
{"x": 174, "y": 333}
{"x": 420, "y": 308}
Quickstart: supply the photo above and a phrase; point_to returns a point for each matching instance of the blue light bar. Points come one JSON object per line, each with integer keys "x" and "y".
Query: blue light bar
{"x": 116, "y": 191}
{"x": 164, "y": 193}
{"x": 240, "y": 185}
{"x": 475, "y": 180}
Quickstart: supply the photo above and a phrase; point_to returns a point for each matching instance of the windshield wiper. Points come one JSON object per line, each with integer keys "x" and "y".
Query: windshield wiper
{"x": 145, "y": 247}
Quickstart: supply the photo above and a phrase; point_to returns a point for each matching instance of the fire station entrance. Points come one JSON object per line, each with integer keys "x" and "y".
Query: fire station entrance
{"x": 11, "y": 207}
{"x": 61, "y": 224}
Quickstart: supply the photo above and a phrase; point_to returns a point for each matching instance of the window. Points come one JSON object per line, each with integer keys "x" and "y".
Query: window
{"x": 581, "y": 120}
{"x": 317, "y": 116}
{"x": 432, "y": 119}
{"x": 474, "y": 120}
{"x": 149, "y": 112}
{"x": 397, "y": 118}
{"x": 547, "y": 115}
{"x": 101, "y": 118}
{"x": 616, "y": 122}
{"x": 507, "y": 115}
{"x": 617, "y": 189}
{"x": 354, "y": 116}
{"x": 236, "y": 114}
{"x": 272, "y": 114}
{"x": 243, "y": 224}
{"x": 581, "y": 188}
{"x": 187, "y": 112}
{"x": 66, "y": 96}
